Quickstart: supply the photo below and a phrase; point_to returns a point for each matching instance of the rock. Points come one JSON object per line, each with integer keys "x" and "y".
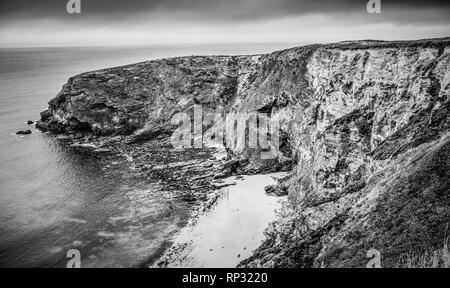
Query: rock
{"x": 208, "y": 165}
{"x": 189, "y": 198}
{"x": 276, "y": 190}
{"x": 364, "y": 130}
{"x": 170, "y": 83}
{"x": 29, "y": 122}
{"x": 42, "y": 126}
{"x": 26, "y": 132}
{"x": 200, "y": 177}
{"x": 51, "y": 125}
{"x": 221, "y": 175}
{"x": 45, "y": 115}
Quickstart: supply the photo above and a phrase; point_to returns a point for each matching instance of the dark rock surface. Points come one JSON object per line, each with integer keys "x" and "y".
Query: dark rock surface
{"x": 277, "y": 190}
{"x": 26, "y": 132}
{"x": 364, "y": 130}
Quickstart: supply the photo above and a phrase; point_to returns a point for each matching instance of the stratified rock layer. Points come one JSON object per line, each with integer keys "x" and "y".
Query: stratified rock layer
{"x": 365, "y": 126}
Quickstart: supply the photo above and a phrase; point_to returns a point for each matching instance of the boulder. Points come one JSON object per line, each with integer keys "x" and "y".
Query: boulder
{"x": 26, "y": 132}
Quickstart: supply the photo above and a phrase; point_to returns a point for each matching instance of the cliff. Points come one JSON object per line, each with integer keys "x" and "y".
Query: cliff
{"x": 364, "y": 131}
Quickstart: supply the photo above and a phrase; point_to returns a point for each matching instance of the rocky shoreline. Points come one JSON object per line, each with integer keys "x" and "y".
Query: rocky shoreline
{"x": 364, "y": 132}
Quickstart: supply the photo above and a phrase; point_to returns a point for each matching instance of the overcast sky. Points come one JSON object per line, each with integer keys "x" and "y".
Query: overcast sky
{"x": 144, "y": 22}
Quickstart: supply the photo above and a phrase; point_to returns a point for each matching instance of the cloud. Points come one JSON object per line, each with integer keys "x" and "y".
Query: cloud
{"x": 218, "y": 10}
{"x": 45, "y": 22}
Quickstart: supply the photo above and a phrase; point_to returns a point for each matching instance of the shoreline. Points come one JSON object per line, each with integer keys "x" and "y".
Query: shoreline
{"x": 229, "y": 228}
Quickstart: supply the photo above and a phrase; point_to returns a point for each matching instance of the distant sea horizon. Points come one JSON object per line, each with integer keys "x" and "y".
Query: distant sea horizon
{"x": 242, "y": 45}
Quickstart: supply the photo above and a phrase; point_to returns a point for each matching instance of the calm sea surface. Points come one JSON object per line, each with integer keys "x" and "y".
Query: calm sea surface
{"x": 52, "y": 198}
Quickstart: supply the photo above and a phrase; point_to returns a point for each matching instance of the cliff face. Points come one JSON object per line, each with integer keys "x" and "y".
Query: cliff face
{"x": 366, "y": 125}
{"x": 120, "y": 101}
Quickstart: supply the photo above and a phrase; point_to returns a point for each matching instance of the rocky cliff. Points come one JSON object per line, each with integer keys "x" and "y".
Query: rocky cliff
{"x": 364, "y": 131}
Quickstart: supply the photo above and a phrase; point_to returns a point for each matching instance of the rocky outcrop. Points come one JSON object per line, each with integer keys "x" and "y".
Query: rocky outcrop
{"x": 26, "y": 132}
{"x": 364, "y": 130}
{"x": 120, "y": 101}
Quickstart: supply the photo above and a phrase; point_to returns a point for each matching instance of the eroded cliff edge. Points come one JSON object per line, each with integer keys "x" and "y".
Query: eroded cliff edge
{"x": 364, "y": 131}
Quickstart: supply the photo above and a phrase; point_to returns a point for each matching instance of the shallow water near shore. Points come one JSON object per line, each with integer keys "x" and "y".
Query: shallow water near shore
{"x": 228, "y": 233}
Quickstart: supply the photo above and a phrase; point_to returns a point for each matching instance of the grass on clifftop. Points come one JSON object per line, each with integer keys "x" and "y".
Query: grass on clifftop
{"x": 429, "y": 259}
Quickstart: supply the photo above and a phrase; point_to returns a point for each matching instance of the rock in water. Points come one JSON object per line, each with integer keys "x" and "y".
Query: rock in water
{"x": 26, "y": 132}
{"x": 364, "y": 128}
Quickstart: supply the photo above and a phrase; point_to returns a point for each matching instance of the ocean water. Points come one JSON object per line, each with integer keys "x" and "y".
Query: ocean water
{"x": 53, "y": 198}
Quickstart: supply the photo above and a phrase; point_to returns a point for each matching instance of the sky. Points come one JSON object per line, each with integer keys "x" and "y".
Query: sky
{"x": 25, "y": 23}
